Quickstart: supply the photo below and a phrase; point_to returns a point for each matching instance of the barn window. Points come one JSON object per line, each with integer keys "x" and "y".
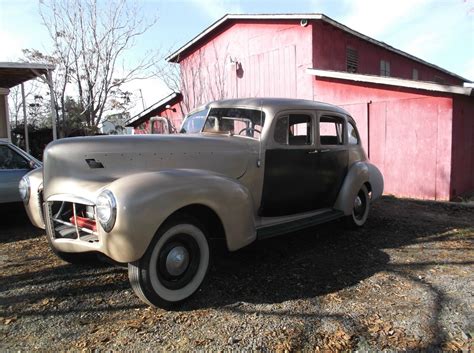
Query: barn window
{"x": 352, "y": 59}
{"x": 415, "y": 74}
{"x": 384, "y": 68}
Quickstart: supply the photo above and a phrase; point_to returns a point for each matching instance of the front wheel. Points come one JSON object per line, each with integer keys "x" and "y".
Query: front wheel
{"x": 360, "y": 209}
{"x": 174, "y": 265}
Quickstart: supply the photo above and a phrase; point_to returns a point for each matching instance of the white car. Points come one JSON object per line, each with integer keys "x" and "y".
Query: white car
{"x": 256, "y": 168}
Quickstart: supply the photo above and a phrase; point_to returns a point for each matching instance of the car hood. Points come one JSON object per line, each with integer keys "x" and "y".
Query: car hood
{"x": 82, "y": 165}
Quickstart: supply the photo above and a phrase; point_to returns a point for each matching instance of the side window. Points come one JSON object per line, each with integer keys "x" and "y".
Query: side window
{"x": 331, "y": 130}
{"x": 294, "y": 129}
{"x": 353, "y": 135}
{"x": 9, "y": 159}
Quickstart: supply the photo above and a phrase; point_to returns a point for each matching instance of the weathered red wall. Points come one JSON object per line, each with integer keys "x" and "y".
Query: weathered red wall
{"x": 272, "y": 58}
{"x": 330, "y": 54}
{"x": 175, "y": 117}
{"x": 462, "y": 174}
{"x": 406, "y": 133}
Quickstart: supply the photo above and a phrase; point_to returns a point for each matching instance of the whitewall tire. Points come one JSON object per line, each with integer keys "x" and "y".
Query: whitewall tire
{"x": 360, "y": 209}
{"x": 174, "y": 265}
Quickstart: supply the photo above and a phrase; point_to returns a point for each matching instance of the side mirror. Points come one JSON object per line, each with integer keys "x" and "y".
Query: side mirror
{"x": 32, "y": 164}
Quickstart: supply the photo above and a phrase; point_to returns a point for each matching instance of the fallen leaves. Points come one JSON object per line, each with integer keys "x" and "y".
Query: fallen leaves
{"x": 9, "y": 320}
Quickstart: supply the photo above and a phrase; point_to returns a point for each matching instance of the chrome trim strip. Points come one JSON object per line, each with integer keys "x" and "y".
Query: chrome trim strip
{"x": 71, "y": 198}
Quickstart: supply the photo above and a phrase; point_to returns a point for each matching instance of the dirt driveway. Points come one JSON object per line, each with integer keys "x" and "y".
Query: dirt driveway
{"x": 406, "y": 281}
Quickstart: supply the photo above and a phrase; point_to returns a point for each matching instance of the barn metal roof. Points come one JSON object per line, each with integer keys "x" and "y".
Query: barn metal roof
{"x": 392, "y": 81}
{"x": 12, "y": 74}
{"x": 152, "y": 109}
{"x": 175, "y": 57}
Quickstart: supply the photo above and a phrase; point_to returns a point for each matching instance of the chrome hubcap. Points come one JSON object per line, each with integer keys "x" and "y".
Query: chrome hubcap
{"x": 359, "y": 207}
{"x": 177, "y": 261}
{"x": 357, "y": 203}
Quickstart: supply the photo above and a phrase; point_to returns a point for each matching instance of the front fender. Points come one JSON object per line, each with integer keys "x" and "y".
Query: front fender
{"x": 146, "y": 200}
{"x": 34, "y": 206}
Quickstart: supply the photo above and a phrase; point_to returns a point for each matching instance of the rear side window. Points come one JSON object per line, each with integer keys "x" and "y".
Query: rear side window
{"x": 294, "y": 129}
{"x": 331, "y": 130}
{"x": 353, "y": 135}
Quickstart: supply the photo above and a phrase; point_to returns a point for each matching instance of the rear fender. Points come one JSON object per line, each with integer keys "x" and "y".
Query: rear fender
{"x": 358, "y": 175}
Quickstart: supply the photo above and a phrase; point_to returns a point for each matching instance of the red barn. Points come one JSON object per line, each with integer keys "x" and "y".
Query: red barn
{"x": 416, "y": 119}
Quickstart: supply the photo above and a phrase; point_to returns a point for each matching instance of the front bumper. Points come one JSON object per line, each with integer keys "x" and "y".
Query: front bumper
{"x": 72, "y": 228}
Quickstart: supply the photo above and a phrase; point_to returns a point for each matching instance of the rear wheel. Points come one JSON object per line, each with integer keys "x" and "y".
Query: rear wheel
{"x": 174, "y": 265}
{"x": 360, "y": 209}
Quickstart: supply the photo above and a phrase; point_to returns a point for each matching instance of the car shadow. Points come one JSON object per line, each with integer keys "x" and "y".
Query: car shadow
{"x": 317, "y": 261}
{"x": 15, "y": 224}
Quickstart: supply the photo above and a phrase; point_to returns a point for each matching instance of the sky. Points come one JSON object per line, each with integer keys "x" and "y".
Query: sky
{"x": 438, "y": 31}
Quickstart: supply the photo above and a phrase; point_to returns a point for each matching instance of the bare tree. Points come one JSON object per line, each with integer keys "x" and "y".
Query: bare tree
{"x": 200, "y": 78}
{"x": 90, "y": 38}
{"x": 33, "y": 98}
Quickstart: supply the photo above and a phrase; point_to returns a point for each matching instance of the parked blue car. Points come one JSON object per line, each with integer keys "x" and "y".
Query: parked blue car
{"x": 14, "y": 163}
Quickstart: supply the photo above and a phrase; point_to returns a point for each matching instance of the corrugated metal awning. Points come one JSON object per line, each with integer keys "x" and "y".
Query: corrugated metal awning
{"x": 13, "y": 74}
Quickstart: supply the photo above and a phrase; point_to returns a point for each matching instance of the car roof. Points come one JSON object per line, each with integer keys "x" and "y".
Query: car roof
{"x": 273, "y": 104}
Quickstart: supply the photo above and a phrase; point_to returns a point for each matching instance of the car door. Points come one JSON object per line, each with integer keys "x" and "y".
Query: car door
{"x": 12, "y": 167}
{"x": 332, "y": 157}
{"x": 288, "y": 185}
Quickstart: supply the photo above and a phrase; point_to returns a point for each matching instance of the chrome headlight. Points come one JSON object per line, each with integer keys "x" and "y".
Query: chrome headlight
{"x": 24, "y": 188}
{"x": 106, "y": 209}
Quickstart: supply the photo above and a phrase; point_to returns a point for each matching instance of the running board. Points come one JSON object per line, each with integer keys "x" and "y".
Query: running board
{"x": 292, "y": 226}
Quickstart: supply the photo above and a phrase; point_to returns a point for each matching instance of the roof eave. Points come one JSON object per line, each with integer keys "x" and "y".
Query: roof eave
{"x": 392, "y": 81}
{"x": 31, "y": 66}
{"x": 174, "y": 57}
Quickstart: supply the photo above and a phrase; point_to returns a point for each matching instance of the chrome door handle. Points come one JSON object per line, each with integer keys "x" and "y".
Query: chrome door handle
{"x": 311, "y": 152}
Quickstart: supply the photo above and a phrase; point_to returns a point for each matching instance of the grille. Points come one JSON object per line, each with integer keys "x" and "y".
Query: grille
{"x": 70, "y": 220}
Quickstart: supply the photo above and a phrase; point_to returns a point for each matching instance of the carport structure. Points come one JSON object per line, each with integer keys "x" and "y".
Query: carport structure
{"x": 13, "y": 74}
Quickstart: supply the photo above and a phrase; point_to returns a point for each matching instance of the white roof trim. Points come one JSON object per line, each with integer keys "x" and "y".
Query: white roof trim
{"x": 392, "y": 81}
{"x": 32, "y": 66}
{"x": 174, "y": 56}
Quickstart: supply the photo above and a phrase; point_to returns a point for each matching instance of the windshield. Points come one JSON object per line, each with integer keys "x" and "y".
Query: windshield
{"x": 193, "y": 123}
{"x": 235, "y": 121}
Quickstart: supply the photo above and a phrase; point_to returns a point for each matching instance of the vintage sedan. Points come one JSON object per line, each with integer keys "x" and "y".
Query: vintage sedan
{"x": 256, "y": 169}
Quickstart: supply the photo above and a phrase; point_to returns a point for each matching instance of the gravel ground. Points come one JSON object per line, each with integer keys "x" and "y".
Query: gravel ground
{"x": 403, "y": 282}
